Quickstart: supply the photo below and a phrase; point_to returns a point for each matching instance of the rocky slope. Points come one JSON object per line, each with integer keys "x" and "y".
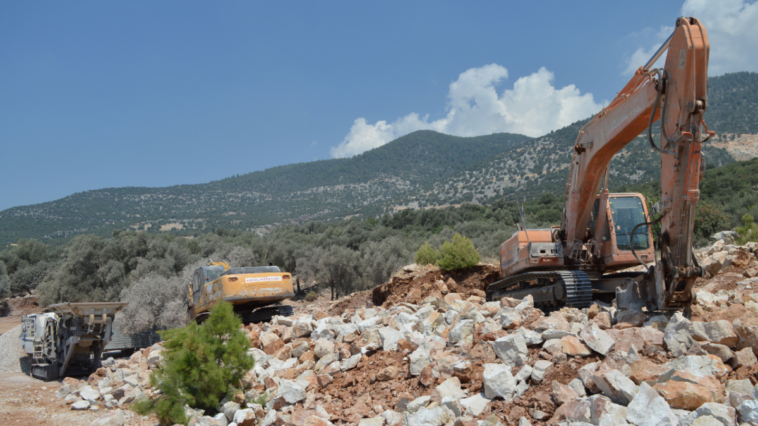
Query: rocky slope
{"x": 427, "y": 349}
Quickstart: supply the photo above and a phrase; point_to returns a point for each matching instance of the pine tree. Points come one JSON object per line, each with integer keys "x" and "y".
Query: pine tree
{"x": 202, "y": 363}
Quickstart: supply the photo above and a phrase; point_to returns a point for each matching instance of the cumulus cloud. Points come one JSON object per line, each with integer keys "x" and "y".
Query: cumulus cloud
{"x": 730, "y": 27}
{"x": 533, "y": 107}
{"x": 642, "y": 55}
{"x": 731, "y": 31}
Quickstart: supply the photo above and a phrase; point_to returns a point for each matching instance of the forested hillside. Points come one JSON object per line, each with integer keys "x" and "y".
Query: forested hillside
{"x": 366, "y": 252}
{"x": 288, "y": 194}
{"x": 424, "y": 169}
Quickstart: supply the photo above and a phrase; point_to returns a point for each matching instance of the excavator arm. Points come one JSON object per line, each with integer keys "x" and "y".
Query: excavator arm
{"x": 677, "y": 95}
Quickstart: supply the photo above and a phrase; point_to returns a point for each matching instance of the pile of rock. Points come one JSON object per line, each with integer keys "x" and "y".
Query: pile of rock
{"x": 457, "y": 360}
{"x": 721, "y": 255}
{"x": 116, "y": 384}
{"x": 471, "y": 362}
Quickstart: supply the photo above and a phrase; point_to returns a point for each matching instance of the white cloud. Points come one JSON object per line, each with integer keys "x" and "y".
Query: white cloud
{"x": 533, "y": 107}
{"x": 731, "y": 31}
{"x": 641, "y": 56}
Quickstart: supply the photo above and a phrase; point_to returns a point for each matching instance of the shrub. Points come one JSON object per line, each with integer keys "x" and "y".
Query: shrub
{"x": 427, "y": 255}
{"x": 202, "y": 364}
{"x": 458, "y": 254}
{"x": 311, "y": 296}
{"x": 749, "y": 231}
{"x": 155, "y": 302}
{"x": 709, "y": 219}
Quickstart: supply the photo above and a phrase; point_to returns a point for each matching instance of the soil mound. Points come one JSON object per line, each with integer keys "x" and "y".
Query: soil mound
{"x": 418, "y": 283}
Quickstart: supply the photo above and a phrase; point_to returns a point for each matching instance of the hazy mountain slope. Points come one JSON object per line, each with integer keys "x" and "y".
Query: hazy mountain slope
{"x": 422, "y": 169}
{"x": 541, "y": 165}
{"x": 296, "y": 192}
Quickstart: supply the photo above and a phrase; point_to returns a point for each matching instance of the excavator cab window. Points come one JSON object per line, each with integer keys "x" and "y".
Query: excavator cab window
{"x": 212, "y": 272}
{"x": 628, "y": 212}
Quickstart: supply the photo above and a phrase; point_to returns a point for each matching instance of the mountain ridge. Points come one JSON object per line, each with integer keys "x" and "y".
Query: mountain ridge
{"x": 421, "y": 170}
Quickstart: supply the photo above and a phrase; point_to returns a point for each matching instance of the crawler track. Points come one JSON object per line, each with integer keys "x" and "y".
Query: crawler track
{"x": 550, "y": 289}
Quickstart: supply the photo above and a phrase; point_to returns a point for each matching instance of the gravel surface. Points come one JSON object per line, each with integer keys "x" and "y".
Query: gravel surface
{"x": 10, "y": 351}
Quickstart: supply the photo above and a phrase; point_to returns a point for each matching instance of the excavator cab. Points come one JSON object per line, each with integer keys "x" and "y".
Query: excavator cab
{"x": 614, "y": 241}
{"x": 627, "y": 213}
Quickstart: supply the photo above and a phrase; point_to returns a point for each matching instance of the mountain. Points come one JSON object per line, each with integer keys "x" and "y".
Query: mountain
{"x": 293, "y": 193}
{"x": 541, "y": 165}
{"x": 421, "y": 170}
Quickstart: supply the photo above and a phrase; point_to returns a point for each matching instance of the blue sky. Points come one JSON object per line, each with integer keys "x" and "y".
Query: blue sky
{"x": 109, "y": 94}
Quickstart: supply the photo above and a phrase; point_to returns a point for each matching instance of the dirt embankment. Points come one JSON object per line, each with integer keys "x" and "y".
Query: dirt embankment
{"x": 420, "y": 284}
{"x": 416, "y": 283}
{"x": 13, "y": 310}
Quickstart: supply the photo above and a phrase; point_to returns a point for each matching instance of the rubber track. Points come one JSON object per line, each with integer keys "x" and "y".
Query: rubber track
{"x": 576, "y": 285}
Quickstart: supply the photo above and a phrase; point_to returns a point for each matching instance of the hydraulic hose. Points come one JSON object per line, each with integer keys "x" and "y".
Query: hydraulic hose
{"x": 631, "y": 238}
{"x": 650, "y": 124}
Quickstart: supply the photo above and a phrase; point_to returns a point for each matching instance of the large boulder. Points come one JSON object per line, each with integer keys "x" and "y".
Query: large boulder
{"x": 677, "y": 335}
{"x": 639, "y": 337}
{"x": 461, "y": 332}
{"x": 720, "y": 413}
{"x": 473, "y": 405}
{"x": 229, "y": 408}
{"x": 511, "y": 349}
{"x": 244, "y": 417}
{"x": 616, "y": 386}
{"x": 720, "y": 332}
{"x": 323, "y": 348}
{"x": 747, "y": 333}
{"x": 292, "y": 391}
{"x": 749, "y": 411}
{"x": 89, "y": 394}
{"x": 650, "y": 409}
{"x": 572, "y": 346}
{"x": 390, "y": 337}
{"x": 597, "y": 339}
{"x": 498, "y": 381}
{"x": 451, "y": 388}
{"x": 738, "y": 257}
{"x": 684, "y": 395}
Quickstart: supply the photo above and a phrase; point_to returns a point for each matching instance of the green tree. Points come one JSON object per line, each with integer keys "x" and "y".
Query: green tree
{"x": 709, "y": 219}
{"x": 427, "y": 255}
{"x": 202, "y": 364}
{"x": 4, "y": 281}
{"x": 749, "y": 231}
{"x": 458, "y": 254}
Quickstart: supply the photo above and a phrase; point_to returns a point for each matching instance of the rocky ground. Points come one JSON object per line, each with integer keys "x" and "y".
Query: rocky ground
{"x": 427, "y": 349}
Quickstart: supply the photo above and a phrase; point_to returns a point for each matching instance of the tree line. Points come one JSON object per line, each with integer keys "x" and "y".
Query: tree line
{"x": 152, "y": 270}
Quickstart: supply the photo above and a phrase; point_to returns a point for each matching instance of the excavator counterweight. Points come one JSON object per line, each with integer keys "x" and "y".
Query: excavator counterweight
{"x": 254, "y": 291}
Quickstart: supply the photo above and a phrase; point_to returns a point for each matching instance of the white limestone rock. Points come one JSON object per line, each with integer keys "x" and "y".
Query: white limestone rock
{"x": 390, "y": 337}
{"x": 650, "y": 409}
{"x": 474, "y": 405}
{"x": 597, "y": 339}
{"x": 451, "y": 388}
{"x": 498, "y": 381}
{"x": 511, "y": 349}
{"x": 540, "y": 369}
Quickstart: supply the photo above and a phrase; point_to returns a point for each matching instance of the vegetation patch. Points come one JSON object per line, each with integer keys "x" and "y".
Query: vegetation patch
{"x": 202, "y": 364}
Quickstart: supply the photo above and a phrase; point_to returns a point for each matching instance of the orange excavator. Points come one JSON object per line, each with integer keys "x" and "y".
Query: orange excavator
{"x": 601, "y": 234}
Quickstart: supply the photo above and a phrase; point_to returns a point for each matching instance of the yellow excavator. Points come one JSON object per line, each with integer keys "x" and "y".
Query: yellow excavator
{"x": 251, "y": 290}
